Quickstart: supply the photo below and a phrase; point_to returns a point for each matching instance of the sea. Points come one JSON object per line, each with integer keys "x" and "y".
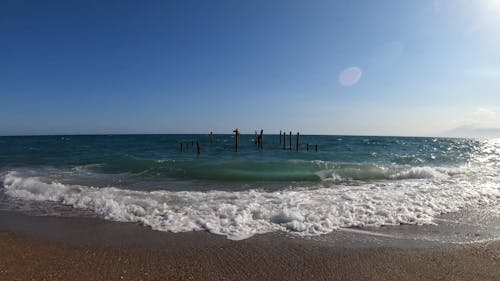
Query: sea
{"x": 349, "y": 182}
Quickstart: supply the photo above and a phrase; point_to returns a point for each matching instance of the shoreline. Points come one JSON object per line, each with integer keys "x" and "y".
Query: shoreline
{"x": 55, "y": 248}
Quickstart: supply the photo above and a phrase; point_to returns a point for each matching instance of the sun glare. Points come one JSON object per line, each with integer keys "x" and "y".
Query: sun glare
{"x": 495, "y": 4}
{"x": 491, "y": 11}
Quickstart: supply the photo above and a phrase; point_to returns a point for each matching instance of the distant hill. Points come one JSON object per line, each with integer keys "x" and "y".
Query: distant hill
{"x": 473, "y": 132}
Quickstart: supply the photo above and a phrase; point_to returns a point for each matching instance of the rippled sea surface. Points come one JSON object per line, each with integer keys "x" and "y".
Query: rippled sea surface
{"x": 350, "y": 181}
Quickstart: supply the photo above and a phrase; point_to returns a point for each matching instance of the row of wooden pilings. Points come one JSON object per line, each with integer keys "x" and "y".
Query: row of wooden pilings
{"x": 185, "y": 145}
{"x": 259, "y": 142}
{"x": 297, "y": 142}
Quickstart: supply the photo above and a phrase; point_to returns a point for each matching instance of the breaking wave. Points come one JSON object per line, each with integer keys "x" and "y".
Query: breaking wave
{"x": 291, "y": 170}
{"x": 406, "y": 196}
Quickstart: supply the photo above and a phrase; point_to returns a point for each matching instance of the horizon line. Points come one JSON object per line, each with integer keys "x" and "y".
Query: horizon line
{"x": 272, "y": 134}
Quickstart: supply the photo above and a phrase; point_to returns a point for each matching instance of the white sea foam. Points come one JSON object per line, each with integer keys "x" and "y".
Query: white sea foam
{"x": 372, "y": 172}
{"x": 420, "y": 173}
{"x": 301, "y": 211}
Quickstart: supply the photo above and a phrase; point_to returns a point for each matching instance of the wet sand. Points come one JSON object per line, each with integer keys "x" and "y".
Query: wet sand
{"x": 50, "y": 248}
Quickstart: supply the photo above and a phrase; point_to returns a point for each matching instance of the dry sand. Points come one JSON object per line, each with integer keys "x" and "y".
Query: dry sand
{"x": 48, "y": 248}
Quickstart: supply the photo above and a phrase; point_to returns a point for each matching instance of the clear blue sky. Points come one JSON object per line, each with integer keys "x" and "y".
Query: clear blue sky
{"x": 412, "y": 67}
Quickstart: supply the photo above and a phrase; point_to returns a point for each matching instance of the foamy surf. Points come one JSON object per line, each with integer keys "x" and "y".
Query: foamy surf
{"x": 303, "y": 211}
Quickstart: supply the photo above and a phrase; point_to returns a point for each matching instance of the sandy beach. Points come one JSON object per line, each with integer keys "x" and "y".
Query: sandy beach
{"x": 250, "y": 140}
{"x": 51, "y": 248}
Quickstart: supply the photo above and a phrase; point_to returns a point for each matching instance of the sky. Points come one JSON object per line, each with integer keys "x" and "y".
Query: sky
{"x": 389, "y": 67}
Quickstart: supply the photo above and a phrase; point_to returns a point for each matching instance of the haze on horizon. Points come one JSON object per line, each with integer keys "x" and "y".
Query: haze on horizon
{"x": 419, "y": 68}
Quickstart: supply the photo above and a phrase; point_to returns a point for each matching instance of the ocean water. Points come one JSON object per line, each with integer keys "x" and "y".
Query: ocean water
{"x": 351, "y": 181}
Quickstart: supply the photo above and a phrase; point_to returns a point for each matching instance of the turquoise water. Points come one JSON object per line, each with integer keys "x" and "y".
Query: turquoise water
{"x": 349, "y": 181}
{"x": 159, "y": 156}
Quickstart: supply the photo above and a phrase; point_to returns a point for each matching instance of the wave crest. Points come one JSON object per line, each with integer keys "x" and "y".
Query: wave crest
{"x": 291, "y": 170}
{"x": 241, "y": 214}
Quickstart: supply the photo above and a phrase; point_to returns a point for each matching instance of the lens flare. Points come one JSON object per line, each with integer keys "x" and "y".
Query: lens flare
{"x": 350, "y": 76}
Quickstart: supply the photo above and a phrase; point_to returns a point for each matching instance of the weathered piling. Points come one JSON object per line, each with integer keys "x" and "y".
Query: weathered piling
{"x": 198, "y": 148}
{"x": 236, "y": 139}
{"x": 261, "y": 139}
{"x": 280, "y": 137}
{"x": 211, "y": 137}
{"x": 297, "y": 144}
{"x": 192, "y": 143}
{"x": 316, "y": 148}
{"x": 290, "y": 139}
{"x": 258, "y": 139}
{"x": 181, "y": 147}
{"x": 307, "y": 147}
{"x": 284, "y": 140}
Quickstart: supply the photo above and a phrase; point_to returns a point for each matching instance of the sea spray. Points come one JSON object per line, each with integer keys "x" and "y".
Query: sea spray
{"x": 238, "y": 215}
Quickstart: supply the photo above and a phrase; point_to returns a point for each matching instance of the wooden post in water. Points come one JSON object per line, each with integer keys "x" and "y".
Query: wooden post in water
{"x": 181, "y": 146}
{"x": 198, "y": 148}
{"x": 284, "y": 140}
{"x": 211, "y": 137}
{"x": 261, "y": 139}
{"x": 280, "y": 137}
{"x": 236, "y": 139}
{"x": 316, "y": 148}
{"x": 192, "y": 143}
{"x": 297, "y": 142}
{"x": 307, "y": 147}
{"x": 290, "y": 138}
